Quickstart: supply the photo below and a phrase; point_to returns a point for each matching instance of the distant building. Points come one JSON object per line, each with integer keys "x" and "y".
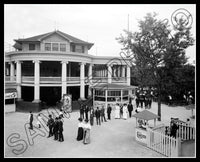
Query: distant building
{"x": 44, "y": 67}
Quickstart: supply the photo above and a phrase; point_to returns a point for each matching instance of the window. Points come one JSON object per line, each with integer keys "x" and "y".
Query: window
{"x": 125, "y": 93}
{"x": 114, "y": 93}
{"x": 62, "y": 47}
{"x": 47, "y": 46}
{"x": 78, "y": 49}
{"x": 55, "y": 47}
{"x": 72, "y": 48}
{"x": 83, "y": 49}
{"x": 31, "y": 46}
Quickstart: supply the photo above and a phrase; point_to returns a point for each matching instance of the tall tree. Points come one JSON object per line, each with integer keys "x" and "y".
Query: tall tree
{"x": 155, "y": 46}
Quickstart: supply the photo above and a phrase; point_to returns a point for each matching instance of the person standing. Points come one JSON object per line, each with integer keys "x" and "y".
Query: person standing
{"x": 55, "y": 129}
{"x": 30, "y": 118}
{"x": 39, "y": 119}
{"x": 125, "y": 111}
{"x": 80, "y": 130}
{"x": 86, "y": 132}
{"x": 117, "y": 111}
{"x": 97, "y": 114}
{"x": 81, "y": 112}
{"x": 109, "y": 109}
{"x": 60, "y": 130}
{"x": 86, "y": 112}
{"x": 103, "y": 114}
{"x": 174, "y": 129}
{"x": 130, "y": 109}
{"x": 121, "y": 111}
{"x": 50, "y": 125}
{"x": 91, "y": 116}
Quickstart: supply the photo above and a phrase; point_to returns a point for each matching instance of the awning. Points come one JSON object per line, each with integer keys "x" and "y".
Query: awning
{"x": 146, "y": 115}
{"x": 113, "y": 86}
{"x": 10, "y": 93}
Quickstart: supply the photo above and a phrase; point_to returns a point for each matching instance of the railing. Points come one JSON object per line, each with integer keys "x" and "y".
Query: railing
{"x": 185, "y": 131}
{"x": 50, "y": 79}
{"x": 100, "y": 79}
{"x": 71, "y": 80}
{"x": 9, "y": 79}
{"x": 119, "y": 79}
{"x": 29, "y": 79}
{"x": 163, "y": 144}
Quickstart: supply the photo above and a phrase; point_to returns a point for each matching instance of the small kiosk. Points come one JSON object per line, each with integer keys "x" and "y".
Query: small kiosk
{"x": 10, "y": 97}
{"x": 142, "y": 125}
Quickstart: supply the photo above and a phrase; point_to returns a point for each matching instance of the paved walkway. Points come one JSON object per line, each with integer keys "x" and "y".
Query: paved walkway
{"x": 114, "y": 138}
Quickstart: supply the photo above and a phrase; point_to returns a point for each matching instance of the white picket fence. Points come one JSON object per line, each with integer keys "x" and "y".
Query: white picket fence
{"x": 185, "y": 131}
{"x": 163, "y": 144}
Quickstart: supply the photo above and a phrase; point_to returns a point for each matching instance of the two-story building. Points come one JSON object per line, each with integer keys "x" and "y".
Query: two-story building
{"x": 44, "y": 67}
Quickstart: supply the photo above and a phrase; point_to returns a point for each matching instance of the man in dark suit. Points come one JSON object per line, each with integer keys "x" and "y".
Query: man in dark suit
{"x": 31, "y": 120}
{"x": 50, "y": 125}
{"x": 109, "y": 109}
{"x": 55, "y": 129}
{"x": 130, "y": 109}
{"x": 97, "y": 114}
{"x": 60, "y": 130}
{"x": 103, "y": 114}
{"x": 86, "y": 112}
{"x": 81, "y": 112}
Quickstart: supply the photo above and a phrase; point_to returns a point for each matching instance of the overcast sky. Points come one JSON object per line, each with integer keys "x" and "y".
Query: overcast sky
{"x": 98, "y": 24}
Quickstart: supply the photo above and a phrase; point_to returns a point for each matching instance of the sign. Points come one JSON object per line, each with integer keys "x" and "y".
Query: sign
{"x": 141, "y": 135}
{"x": 11, "y": 95}
{"x": 67, "y": 102}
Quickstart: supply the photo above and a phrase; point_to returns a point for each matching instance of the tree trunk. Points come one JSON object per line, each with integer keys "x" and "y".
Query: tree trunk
{"x": 159, "y": 107}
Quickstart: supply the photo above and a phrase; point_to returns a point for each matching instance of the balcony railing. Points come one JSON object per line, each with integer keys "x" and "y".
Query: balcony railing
{"x": 70, "y": 80}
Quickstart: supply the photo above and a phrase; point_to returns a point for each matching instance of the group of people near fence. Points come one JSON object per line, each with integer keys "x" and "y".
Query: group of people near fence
{"x": 123, "y": 110}
{"x": 144, "y": 99}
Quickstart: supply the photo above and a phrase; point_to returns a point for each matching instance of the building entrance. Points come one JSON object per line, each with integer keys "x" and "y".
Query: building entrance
{"x": 50, "y": 95}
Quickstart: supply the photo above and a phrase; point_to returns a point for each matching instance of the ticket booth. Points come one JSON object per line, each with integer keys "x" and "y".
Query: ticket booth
{"x": 10, "y": 98}
{"x": 142, "y": 125}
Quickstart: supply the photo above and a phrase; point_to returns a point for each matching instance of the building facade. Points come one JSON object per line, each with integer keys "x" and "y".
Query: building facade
{"x": 44, "y": 67}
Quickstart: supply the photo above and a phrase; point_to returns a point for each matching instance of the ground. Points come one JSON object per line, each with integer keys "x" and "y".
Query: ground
{"x": 114, "y": 138}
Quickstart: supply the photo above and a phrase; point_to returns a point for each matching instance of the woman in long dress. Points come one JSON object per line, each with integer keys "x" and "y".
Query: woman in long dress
{"x": 125, "y": 111}
{"x": 117, "y": 111}
{"x": 80, "y": 130}
{"x": 86, "y": 132}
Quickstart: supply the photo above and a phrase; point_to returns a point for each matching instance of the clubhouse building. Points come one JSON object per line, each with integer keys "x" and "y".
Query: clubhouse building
{"x": 45, "y": 67}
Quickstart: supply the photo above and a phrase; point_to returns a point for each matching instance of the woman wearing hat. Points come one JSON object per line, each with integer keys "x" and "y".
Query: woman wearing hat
{"x": 80, "y": 130}
{"x": 86, "y": 132}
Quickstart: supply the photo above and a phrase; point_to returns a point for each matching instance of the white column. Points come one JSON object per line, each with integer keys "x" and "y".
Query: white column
{"x": 109, "y": 74}
{"x": 12, "y": 71}
{"x": 37, "y": 81}
{"x": 64, "y": 77}
{"x": 18, "y": 80}
{"x": 128, "y": 75}
{"x": 82, "y": 77}
{"x": 90, "y": 79}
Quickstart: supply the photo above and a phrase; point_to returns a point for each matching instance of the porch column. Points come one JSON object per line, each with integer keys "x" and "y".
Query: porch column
{"x": 37, "y": 81}
{"x": 64, "y": 77}
{"x": 109, "y": 74}
{"x": 82, "y": 82}
{"x": 19, "y": 80}
{"x": 12, "y": 71}
{"x": 90, "y": 79}
{"x": 128, "y": 72}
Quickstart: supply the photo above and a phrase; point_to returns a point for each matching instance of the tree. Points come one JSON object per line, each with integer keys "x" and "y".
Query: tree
{"x": 155, "y": 49}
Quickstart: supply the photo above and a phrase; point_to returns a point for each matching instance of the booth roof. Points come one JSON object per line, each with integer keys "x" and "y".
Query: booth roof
{"x": 10, "y": 90}
{"x": 146, "y": 115}
{"x": 112, "y": 86}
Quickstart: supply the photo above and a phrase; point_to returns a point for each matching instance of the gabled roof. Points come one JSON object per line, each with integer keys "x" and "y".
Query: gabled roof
{"x": 146, "y": 115}
{"x": 72, "y": 39}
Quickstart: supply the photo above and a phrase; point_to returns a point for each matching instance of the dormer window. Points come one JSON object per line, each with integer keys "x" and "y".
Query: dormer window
{"x": 31, "y": 47}
{"x": 47, "y": 46}
{"x": 54, "y": 46}
{"x": 62, "y": 47}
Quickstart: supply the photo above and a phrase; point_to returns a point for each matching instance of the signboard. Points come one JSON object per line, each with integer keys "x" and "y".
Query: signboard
{"x": 11, "y": 95}
{"x": 141, "y": 135}
{"x": 67, "y": 102}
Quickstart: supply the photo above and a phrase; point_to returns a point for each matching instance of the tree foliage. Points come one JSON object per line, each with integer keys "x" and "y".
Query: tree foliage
{"x": 157, "y": 52}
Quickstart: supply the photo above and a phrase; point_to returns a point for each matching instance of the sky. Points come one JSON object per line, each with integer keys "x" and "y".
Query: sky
{"x": 100, "y": 24}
